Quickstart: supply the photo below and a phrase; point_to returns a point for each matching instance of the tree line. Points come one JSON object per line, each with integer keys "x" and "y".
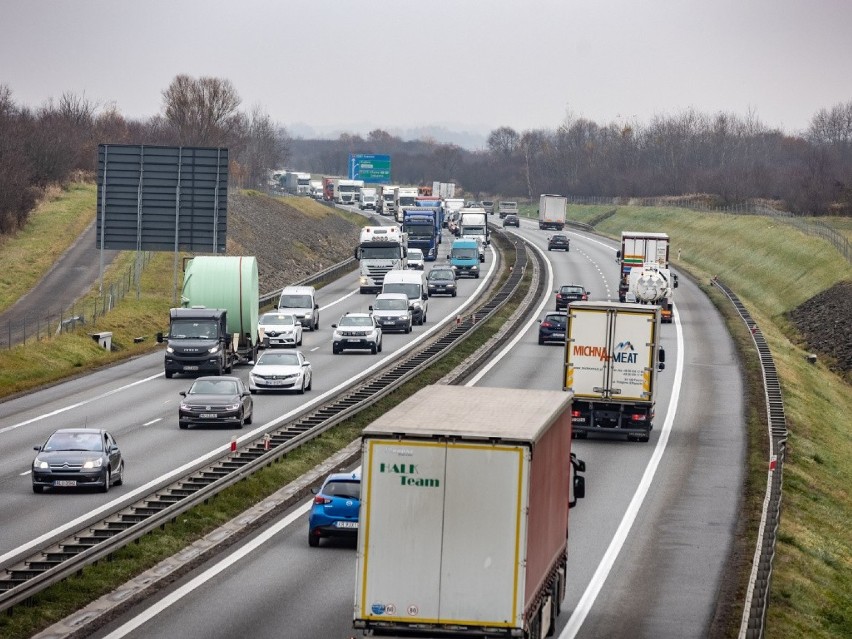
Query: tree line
{"x": 729, "y": 158}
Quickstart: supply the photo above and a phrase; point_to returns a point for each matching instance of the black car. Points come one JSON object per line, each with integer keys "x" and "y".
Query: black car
{"x": 216, "y": 400}
{"x": 441, "y": 281}
{"x": 558, "y": 242}
{"x": 511, "y": 220}
{"x": 570, "y": 293}
{"x": 75, "y": 457}
{"x": 552, "y": 328}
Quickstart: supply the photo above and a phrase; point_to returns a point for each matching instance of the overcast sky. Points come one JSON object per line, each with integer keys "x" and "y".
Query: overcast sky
{"x": 469, "y": 65}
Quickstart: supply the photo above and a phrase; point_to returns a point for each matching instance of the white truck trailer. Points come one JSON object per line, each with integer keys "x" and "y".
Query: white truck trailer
{"x": 464, "y": 514}
{"x": 403, "y": 196}
{"x": 612, "y": 355}
{"x": 552, "y": 210}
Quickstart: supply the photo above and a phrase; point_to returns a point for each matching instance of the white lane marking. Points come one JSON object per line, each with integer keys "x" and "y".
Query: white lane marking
{"x": 593, "y": 589}
{"x": 153, "y": 421}
{"x": 58, "y": 411}
{"x": 315, "y": 348}
{"x": 338, "y": 300}
{"x": 249, "y": 435}
{"x": 26, "y": 472}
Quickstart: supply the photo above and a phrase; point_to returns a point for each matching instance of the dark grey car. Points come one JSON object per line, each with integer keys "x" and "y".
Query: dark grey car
{"x": 77, "y": 457}
{"x": 216, "y": 400}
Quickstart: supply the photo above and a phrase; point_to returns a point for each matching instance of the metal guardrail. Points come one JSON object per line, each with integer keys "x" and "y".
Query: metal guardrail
{"x": 757, "y": 596}
{"x": 332, "y": 272}
{"x": 25, "y": 577}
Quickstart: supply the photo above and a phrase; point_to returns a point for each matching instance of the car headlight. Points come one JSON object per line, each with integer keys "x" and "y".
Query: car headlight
{"x": 232, "y": 406}
{"x": 40, "y": 463}
{"x": 93, "y": 463}
{"x": 474, "y": 268}
{"x": 213, "y": 349}
{"x": 169, "y": 349}
{"x": 363, "y": 280}
{"x": 184, "y": 406}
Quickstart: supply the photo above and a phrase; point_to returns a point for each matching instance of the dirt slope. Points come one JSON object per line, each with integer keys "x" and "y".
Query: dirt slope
{"x": 825, "y": 322}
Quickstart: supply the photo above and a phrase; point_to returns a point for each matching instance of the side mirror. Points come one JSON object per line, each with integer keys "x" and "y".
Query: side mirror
{"x": 424, "y": 296}
{"x": 316, "y": 306}
{"x": 579, "y": 490}
{"x": 36, "y": 447}
{"x": 334, "y": 325}
{"x": 618, "y": 255}
{"x": 182, "y": 393}
{"x": 370, "y": 307}
{"x": 160, "y": 337}
{"x": 357, "y": 253}
{"x": 306, "y": 363}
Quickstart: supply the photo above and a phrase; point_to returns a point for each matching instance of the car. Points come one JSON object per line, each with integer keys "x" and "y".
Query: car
{"x": 558, "y": 242}
{"x": 358, "y": 331}
{"x": 442, "y": 281}
{"x": 212, "y": 401}
{"x": 281, "y": 370}
{"x": 392, "y": 312}
{"x": 76, "y": 458}
{"x": 415, "y": 259}
{"x": 301, "y": 301}
{"x": 511, "y": 220}
{"x": 568, "y": 293}
{"x": 334, "y": 512}
{"x": 413, "y": 284}
{"x": 552, "y": 327}
{"x": 279, "y": 329}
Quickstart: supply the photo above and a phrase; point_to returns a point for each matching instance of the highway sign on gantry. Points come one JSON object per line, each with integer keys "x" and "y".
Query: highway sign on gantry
{"x": 373, "y": 169}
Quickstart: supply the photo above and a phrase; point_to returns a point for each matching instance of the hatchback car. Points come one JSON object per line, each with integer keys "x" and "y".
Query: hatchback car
{"x": 392, "y": 312}
{"x": 358, "y": 331}
{"x": 511, "y": 220}
{"x": 552, "y": 328}
{"x": 76, "y": 457}
{"x": 279, "y": 370}
{"x": 334, "y": 512}
{"x": 570, "y": 293}
{"x": 279, "y": 329}
{"x": 415, "y": 259}
{"x": 216, "y": 400}
{"x": 558, "y": 242}
{"x": 442, "y": 281}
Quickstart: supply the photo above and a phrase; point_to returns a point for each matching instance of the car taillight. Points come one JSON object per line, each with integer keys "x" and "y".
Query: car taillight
{"x": 546, "y": 325}
{"x": 638, "y": 417}
{"x": 575, "y": 413}
{"x": 319, "y": 499}
{"x": 585, "y": 297}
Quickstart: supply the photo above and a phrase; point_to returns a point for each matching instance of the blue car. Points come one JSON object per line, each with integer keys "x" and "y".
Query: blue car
{"x": 552, "y": 327}
{"x": 335, "y": 509}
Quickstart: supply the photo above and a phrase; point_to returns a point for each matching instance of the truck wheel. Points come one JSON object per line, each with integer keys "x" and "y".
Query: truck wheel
{"x": 169, "y": 374}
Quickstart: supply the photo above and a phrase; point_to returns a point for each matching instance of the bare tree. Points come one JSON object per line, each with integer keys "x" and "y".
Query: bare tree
{"x": 203, "y": 110}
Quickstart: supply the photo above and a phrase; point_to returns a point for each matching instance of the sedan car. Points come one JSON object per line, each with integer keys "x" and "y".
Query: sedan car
{"x": 216, "y": 400}
{"x": 511, "y": 220}
{"x": 558, "y": 242}
{"x": 357, "y": 330}
{"x": 570, "y": 293}
{"x": 442, "y": 281}
{"x": 552, "y": 328}
{"x": 335, "y": 509}
{"x": 415, "y": 259}
{"x": 279, "y": 329}
{"x": 74, "y": 457}
{"x": 280, "y": 370}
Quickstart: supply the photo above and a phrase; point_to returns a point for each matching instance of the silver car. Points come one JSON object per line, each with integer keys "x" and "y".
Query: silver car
{"x": 281, "y": 370}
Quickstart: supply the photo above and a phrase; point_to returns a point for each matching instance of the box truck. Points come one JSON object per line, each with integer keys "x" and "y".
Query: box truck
{"x": 551, "y": 211}
{"x": 464, "y": 514}
{"x": 612, "y": 355}
{"x": 217, "y": 324}
{"x": 403, "y": 196}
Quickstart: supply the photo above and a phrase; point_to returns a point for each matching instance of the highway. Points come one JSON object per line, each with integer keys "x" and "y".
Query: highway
{"x": 647, "y": 545}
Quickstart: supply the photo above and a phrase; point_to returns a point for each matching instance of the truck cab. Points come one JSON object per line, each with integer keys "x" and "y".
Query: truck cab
{"x": 464, "y": 257}
{"x": 197, "y": 342}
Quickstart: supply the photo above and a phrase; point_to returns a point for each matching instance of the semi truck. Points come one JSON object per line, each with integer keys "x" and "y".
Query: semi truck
{"x": 638, "y": 249}
{"x": 298, "y": 183}
{"x": 612, "y": 355}
{"x": 316, "y": 189}
{"x": 380, "y": 249}
{"x": 346, "y": 191}
{"x": 385, "y": 201}
{"x": 403, "y": 196}
{"x": 474, "y": 223}
{"x": 437, "y": 204}
{"x": 216, "y": 326}
{"x": 653, "y": 284}
{"x": 552, "y": 210}
{"x": 464, "y": 514}
{"x": 423, "y": 227}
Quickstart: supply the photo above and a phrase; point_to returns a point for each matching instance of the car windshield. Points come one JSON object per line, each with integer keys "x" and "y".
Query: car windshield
{"x": 345, "y": 489}
{"x": 465, "y": 253}
{"x": 295, "y": 301}
{"x": 213, "y": 387}
{"x": 271, "y": 358}
{"x": 348, "y": 320}
{"x": 273, "y": 319}
{"x": 415, "y": 254}
{"x": 74, "y": 441}
{"x": 391, "y": 305}
{"x": 411, "y": 290}
{"x": 193, "y": 329}
{"x": 441, "y": 275}
{"x": 573, "y": 289}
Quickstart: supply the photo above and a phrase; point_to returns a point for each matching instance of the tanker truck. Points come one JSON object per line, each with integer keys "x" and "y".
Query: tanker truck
{"x": 653, "y": 284}
{"x": 216, "y": 325}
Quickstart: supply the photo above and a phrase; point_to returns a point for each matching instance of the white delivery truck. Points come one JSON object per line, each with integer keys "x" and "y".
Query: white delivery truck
{"x": 367, "y": 198}
{"x": 384, "y": 203}
{"x": 552, "y": 210}
{"x": 298, "y": 183}
{"x": 612, "y": 355}
{"x": 346, "y": 191}
{"x": 464, "y": 513}
{"x": 403, "y": 196}
{"x": 474, "y": 223}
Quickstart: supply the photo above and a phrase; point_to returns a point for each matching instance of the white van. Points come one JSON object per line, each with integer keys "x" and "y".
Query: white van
{"x": 301, "y": 301}
{"x": 413, "y": 284}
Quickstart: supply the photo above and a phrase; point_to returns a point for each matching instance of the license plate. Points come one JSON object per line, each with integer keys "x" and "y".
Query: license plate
{"x": 208, "y": 415}
{"x": 346, "y": 524}
{"x": 65, "y": 482}
{"x": 190, "y": 368}
{"x": 559, "y": 335}
{"x": 275, "y": 382}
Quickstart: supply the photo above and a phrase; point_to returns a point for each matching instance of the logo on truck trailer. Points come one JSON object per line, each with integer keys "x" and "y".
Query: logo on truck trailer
{"x": 624, "y": 354}
{"x": 406, "y": 473}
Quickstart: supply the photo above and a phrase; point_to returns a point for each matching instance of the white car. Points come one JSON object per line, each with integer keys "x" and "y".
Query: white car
{"x": 357, "y": 330}
{"x": 281, "y": 370}
{"x": 415, "y": 259}
{"x": 279, "y": 329}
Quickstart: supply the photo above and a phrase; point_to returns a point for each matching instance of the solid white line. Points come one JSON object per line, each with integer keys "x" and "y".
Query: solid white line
{"x": 153, "y": 421}
{"x": 593, "y": 589}
{"x": 27, "y": 472}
